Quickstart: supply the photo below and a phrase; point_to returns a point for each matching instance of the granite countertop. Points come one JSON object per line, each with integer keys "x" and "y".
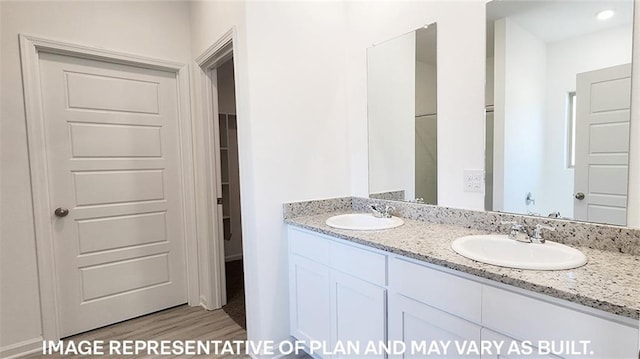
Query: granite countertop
{"x": 610, "y": 281}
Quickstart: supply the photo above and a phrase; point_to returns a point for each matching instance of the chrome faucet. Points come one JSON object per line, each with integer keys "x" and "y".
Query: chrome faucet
{"x": 381, "y": 213}
{"x": 537, "y": 233}
{"x": 518, "y": 232}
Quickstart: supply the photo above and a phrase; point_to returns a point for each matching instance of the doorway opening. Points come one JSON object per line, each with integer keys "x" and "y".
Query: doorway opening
{"x": 229, "y": 179}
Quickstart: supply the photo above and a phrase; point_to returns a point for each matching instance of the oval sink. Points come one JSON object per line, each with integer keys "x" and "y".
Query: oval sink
{"x": 501, "y": 251}
{"x": 363, "y": 222}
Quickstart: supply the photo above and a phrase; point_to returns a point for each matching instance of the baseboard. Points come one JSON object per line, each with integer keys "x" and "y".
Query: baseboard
{"x": 233, "y": 257}
{"x": 22, "y": 348}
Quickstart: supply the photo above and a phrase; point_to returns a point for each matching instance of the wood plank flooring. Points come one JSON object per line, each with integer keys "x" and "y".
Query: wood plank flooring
{"x": 179, "y": 323}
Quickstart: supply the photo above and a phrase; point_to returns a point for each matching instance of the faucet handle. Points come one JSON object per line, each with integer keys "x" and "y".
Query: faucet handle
{"x": 376, "y": 211}
{"x": 517, "y": 231}
{"x": 537, "y": 232}
{"x": 388, "y": 209}
{"x": 540, "y": 227}
{"x": 381, "y": 213}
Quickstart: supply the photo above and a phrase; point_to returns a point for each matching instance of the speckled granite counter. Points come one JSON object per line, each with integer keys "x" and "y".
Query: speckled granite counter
{"x": 610, "y": 281}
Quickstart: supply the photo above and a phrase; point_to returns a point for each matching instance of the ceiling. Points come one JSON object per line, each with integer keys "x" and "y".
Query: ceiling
{"x": 553, "y": 21}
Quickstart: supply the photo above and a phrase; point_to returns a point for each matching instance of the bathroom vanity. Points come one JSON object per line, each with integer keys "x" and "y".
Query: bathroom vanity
{"x": 407, "y": 285}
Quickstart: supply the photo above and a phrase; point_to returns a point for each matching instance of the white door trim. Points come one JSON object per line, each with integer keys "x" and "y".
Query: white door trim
{"x": 30, "y": 48}
{"x": 212, "y": 270}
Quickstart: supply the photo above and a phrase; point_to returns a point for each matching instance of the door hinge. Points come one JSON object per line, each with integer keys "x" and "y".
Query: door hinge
{"x": 219, "y": 200}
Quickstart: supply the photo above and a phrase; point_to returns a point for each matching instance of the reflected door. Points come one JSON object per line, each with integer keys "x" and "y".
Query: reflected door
{"x": 113, "y": 164}
{"x": 602, "y": 145}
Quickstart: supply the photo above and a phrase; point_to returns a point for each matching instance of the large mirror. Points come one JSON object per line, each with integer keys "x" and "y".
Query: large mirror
{"x": 558, "y": 108}
{"x": 402, "y": 117}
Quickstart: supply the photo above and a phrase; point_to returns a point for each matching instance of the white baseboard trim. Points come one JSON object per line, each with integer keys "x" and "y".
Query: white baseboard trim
{"x": 233, "y": 257}
{"x": 22, "y": 348}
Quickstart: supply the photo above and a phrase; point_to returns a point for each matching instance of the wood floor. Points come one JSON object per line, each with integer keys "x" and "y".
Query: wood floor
{"x": 179, "y": 323}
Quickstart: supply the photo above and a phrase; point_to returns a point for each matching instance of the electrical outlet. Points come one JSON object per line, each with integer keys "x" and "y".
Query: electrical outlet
{"x": 474, "y": 181}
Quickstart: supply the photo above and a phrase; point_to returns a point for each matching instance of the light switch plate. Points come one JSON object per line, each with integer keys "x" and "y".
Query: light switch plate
{"x": 474, "y": 181}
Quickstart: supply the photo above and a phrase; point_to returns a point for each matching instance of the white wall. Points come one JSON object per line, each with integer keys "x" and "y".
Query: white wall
{"x": 391, "y": 103}
{"x": 498, "y": 116}
{"x": 461, "y": 54}
{"x": 566, "y": 59}
{"x": 299, "y": 135}
{"x": 152, "y": 29}
{"x": 292, "y": 127}
{"x": 519, "y": 110}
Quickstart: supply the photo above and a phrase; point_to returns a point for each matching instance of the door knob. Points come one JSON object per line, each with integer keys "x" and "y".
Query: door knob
{"x": 61, "y": 212}
{"x": 579, "y": 196}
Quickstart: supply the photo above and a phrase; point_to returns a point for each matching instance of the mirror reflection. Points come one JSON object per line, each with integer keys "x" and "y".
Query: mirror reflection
{"x": 402, "y": 117}
{"x": 558, "y": 106}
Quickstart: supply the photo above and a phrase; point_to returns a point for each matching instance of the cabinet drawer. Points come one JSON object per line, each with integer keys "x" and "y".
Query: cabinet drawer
{"x": 441, "y": 290}
{"x": 308, "y": 245}
{"x": 533, "y": 319}
{"x": 359, "y": 263}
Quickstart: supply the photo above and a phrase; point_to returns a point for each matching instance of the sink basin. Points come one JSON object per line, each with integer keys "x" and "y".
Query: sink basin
{"x": 363, "y": 222}
{"x": 501, "y": 251}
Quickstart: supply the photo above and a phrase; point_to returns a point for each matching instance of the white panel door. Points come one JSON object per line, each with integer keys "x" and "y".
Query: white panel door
{"x": 602, "y": 144}
{"x": 113, "y": 159}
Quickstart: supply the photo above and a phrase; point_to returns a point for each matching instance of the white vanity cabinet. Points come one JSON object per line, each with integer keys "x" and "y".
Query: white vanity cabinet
{"x": 478, "y": 310}
{"x": 342, "y": 291}
{"x": 337, "y": 291}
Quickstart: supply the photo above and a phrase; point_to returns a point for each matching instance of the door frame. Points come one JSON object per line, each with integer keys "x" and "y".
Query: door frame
{"x": 210, "y": 232}
{"x": 30, "y": 48}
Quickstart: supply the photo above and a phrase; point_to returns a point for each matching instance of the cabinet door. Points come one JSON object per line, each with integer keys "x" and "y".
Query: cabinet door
{"x": 358, "y": 313}
{"x": 309, "y": 300}
{"x": 503, "y": 347}
{"x": 426, "y": 331}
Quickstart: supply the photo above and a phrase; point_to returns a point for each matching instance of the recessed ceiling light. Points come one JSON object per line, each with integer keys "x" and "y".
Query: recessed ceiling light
{"x": 605, "y": 14}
